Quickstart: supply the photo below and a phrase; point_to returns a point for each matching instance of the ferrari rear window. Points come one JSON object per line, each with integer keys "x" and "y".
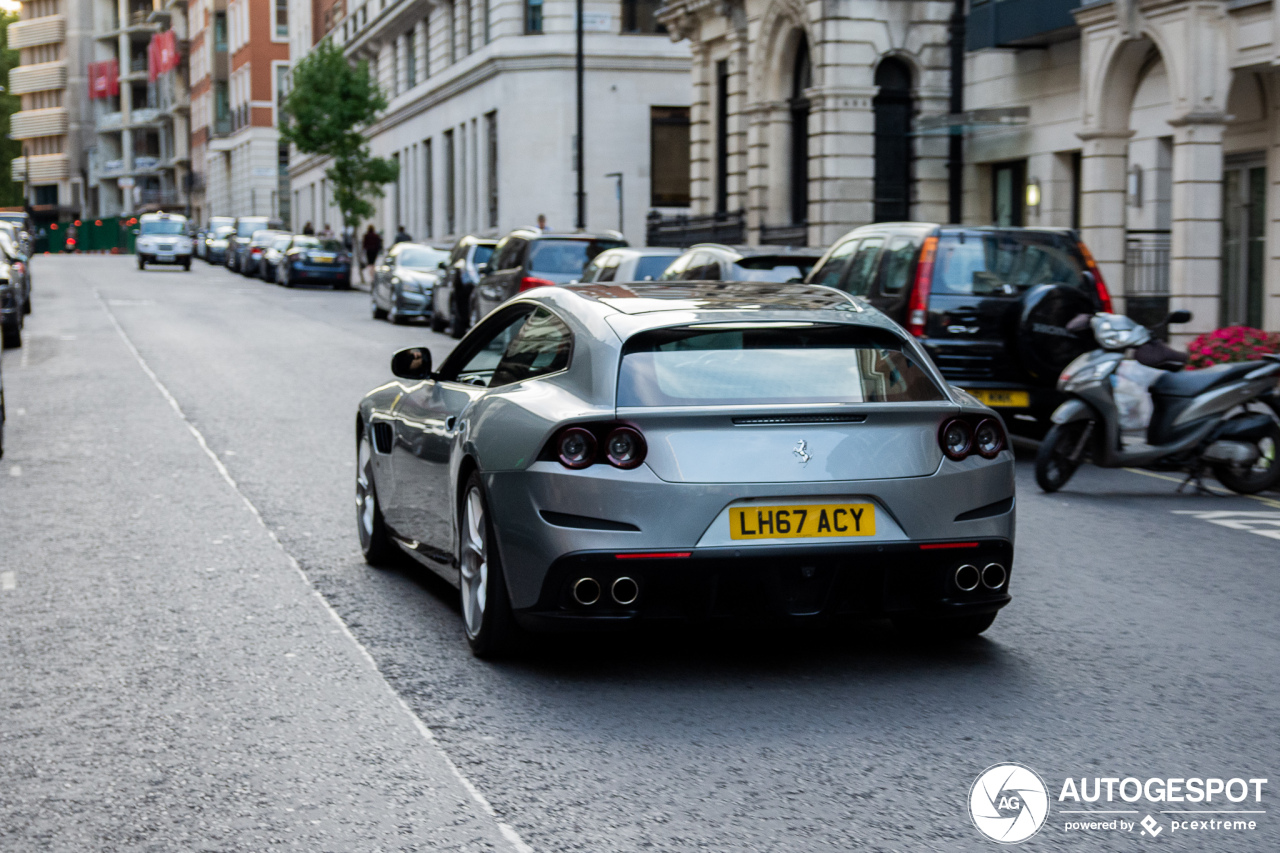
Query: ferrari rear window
{"x": 765, "y": 364}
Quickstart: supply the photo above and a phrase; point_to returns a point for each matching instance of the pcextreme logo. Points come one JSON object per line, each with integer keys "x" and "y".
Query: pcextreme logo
{"x": 1009, "y": 803}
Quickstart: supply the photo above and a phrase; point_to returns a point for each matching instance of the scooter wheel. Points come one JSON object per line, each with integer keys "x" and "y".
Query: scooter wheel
{"x": 1054, "y": 466}
{"x": 1262, "y": 475}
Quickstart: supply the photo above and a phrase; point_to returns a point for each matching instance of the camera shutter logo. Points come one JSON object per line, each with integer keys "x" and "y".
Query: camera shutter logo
{"x": 1008, "y": 803}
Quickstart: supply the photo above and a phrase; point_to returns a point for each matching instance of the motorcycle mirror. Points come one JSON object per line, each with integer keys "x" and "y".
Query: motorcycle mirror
{"x": 1179, "y": 317}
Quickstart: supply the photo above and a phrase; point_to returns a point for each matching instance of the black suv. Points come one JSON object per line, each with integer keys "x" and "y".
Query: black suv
{"x": 528, "y": 258}
{"x": 990, "y": 305}
{"x": 451, "y": 298}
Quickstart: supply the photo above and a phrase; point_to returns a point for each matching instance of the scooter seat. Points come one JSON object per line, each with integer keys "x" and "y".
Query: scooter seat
{"x": 1192, "y": 383}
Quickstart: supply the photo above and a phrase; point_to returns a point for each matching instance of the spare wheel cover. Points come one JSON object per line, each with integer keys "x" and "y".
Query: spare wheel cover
{"x": 1043, "y": 342}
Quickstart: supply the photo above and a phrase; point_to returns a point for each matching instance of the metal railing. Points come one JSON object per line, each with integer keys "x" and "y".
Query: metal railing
{"x": 1146, "y": 263}
{"x": 796, "y": 234}
{"x": 681, "y": 231}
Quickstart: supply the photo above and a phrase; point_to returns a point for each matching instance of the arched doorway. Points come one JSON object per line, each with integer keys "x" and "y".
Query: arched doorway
{"x": 893, "y": 145}
{"x": 801, "y": 80}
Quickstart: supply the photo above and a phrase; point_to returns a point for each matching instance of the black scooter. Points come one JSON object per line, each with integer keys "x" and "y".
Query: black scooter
{"x": 1221, "y": 418}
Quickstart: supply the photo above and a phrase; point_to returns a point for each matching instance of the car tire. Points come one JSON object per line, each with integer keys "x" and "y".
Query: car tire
{"x": 142, "y": 265}
{"x": 487, "y": 619}
{"x": 1265, "y": 473}
{"x": 376, "y": 312}
{"x": 186, "y": 267}
{"x": 396, "y": 317}
{"x": 376, "y": 544}
{"x": 944, "y": 628}
{"x": 473, "y": 311}
{"x": 11, "y": 335}
{"x": 26, "y": 306}
{"x": 286, "y": 278}
{"x": 437, "y": 322}
{"x": 1054, "y": 466}
{"x": 458, "y": 321}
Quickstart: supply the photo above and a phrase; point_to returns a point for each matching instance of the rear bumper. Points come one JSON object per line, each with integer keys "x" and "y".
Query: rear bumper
{"x": 801, "y": 583}
{"x": 316, "y": 272}
{"x": 170, "y": 259}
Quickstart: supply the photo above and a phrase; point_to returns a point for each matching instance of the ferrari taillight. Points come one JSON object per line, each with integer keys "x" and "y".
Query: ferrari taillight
{"x": 582, "y": 445}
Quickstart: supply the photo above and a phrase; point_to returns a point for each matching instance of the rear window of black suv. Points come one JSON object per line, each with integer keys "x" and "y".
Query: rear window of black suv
{"x": 1005, "y": 263}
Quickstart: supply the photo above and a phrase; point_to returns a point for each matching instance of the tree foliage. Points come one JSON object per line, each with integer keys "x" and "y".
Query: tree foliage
{"x": 325, "y": 113}
{"x": 10, "y": 149}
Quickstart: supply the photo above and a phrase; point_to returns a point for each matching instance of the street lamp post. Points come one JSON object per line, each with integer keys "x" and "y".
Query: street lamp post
{"x": 582, "y": 195}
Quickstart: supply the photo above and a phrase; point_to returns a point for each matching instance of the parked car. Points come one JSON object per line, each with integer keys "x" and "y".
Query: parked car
{"x": 405, "y": 280}
{"x": 251, "y": 263}
{"x": 217, "y": 244}
{"x": 245, "y": 228}
{"x": 19, "y": 262}
{"x": 217, "y": 229}
{"x": 527, "y": 258}
{"x": 13, "y": 303}
{"x": 630, "y": 264}
{"x": 272, "y": 255}
{"x": 1, "y": 414}
{"x": 729, "y": 449}
{"x": 163, "y": 239}
{"x": 717, "y": 262}
{"x": 24, "y": 228}
{"x": 990, "y": 305}
{"x": 315, "y": 259}
{"x": 451, "y": 298}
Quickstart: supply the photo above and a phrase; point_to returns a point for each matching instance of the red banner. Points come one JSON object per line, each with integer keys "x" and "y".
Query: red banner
{"x": 162, "y": 54}
{"x": 104, "y": 79}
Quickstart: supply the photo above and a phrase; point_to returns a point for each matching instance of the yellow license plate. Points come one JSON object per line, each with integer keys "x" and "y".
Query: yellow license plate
{"x": 995, "y": 397}
{"x": 802, "y": 522}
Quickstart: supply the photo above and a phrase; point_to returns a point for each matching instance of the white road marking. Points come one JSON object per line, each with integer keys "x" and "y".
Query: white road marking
{"x": 1262, "y": 523}
{"x": 508, "y": 832}
{"x": 15, "y": 471}
{"x": 8, "y": 581}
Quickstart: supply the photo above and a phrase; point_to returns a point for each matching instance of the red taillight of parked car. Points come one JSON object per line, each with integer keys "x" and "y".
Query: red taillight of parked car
{"x": 529, "y": 282}
{"x": 584, "y": 445}
{"x": 1104, "y": 296}
{"x": 255, "y": 252}
{"x": 918, "y": 307}
{"x": 962, "y": 437}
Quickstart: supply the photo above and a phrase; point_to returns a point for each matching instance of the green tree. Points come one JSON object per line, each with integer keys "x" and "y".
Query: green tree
{"x": 328, "y": 106}
{"x": 10, "y": 149}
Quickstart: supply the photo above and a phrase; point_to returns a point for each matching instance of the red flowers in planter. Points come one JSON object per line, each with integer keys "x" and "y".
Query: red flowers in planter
{"x": 1234, "y": 343}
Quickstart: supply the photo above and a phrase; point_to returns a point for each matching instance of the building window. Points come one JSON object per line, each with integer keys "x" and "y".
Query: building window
{"x": 638, "y": 17}
{"x": 282, "y": 87}
{"x": 453, "y": 32}
{"x": 46, "y": 195}
{"x": 1008, "y": 187}
{"x": 669, "y": 156}
{"x": 801, "y": 80}
{"x": 488, "y": 23}
{"x": 395, "y": 68}
{"x": 429, "y": 188}
{"x": 722, "y": 136}
{"x": 220, "y": 32}
{"x": 450, "y": 184}
{"x": 466, "y": 30}
{"x": 491, "y": 142}
{"x": 282, "y": 19}
{"x": 893, "y": 109}
{"x": 532, "y": 16}
{"x": 426, "y": 47}
{"x": 410, "y": 60}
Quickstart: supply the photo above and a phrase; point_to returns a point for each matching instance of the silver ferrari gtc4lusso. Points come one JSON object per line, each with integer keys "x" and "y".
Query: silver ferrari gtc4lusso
{"x": 602, "y": 454}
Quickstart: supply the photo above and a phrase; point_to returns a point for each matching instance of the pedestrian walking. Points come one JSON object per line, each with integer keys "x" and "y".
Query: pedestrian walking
{"x": 372, "y": 244}
{"x": 327, "y": 231}
{"x": 402, "y": 236}
{"x": 308, "y": 229}
{"x": 542, "y": 223}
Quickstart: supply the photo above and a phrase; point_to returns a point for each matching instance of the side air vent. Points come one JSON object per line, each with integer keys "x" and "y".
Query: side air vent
{"x": 784, "y": 420}
{"x": 383, "y": 437}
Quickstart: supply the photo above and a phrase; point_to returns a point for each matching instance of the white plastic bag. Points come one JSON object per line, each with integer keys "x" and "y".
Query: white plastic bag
{"x": 1131, "y": 385}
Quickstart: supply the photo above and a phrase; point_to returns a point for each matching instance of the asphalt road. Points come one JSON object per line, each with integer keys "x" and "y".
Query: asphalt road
{"x": 177, "y": 486}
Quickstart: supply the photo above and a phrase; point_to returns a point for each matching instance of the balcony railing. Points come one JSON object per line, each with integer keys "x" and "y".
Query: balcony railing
{"x": 682, "y": 231}
{"x": 785, "y": 235}
{"x": 1146, "y": 275}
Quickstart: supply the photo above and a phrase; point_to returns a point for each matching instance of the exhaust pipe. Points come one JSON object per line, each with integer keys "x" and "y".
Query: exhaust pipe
{"x": 994, "y": 576}
{"x": 625, "y": 591}
{"x": 968, "y": 578}
{"x": 586, "y": 591}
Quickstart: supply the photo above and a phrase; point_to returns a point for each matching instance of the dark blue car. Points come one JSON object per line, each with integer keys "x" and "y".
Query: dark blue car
{"x": 318, "y": 260}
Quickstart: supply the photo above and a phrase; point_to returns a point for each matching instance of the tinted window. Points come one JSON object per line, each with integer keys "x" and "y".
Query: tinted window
{"x": 863, "y": 267}
{"x": 832, "y": 270}
{"x": 482, "y": 254}
{"x": 162, "y": 226}
{"x": 897, "y": 264}
{"x": 282, "y": 243}
{"x": 509, "y": 254}
{"x": 420, "y": 258}
{"x": 246, "y": 227}
{"x": 675, "y": 268}
{"x": 819, "y": 364}
{"x": 541, "y": 346}
{"x": 651, "y": 268}
{"x": 1005, "y": 263}
{"x": 483, "y": 355}
{"x": 702, "y": 267}
{"x": 771, "y": 269}
{"x": 567, "y": 257}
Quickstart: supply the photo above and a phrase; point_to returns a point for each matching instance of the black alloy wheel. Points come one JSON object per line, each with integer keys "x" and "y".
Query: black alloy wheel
{"x": 1059, "y": 455}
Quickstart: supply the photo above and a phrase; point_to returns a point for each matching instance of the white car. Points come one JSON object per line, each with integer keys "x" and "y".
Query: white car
{"x": 163, "y": 239}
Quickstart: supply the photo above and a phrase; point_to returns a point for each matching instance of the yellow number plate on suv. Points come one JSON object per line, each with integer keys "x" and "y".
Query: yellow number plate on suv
{"x": 802, "y": 522}
{"x": 995, "y": 397}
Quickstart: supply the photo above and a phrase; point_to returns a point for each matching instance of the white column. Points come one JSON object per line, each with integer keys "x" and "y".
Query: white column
{"x": 1102, "y": 204}
{"x": 1195, "y": 266}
